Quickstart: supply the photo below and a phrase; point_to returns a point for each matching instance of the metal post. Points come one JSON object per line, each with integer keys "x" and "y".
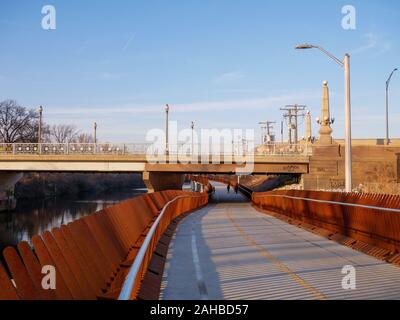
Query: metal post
{"x": 387, "y": 113}
{"x": 192, "y": 126}
{"x": 166, "y": 129}
{"x": 290, "y": 127}
{"x": 40, "y": 126}
{"x": 95, "y": 133}
{"x": 348, "y": 151}
{"x": 387, "y": 106}
{"x": 296, "y": 134}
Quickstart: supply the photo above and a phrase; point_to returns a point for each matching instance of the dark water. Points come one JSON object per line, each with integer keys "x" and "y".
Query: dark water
{"x": 34, "y": 217}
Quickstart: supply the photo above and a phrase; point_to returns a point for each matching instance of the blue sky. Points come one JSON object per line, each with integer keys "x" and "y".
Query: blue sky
{"x": 221, "y": 63}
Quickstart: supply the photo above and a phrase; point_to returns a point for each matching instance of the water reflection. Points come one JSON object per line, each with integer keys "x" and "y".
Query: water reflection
{"x": 35, "y": 217}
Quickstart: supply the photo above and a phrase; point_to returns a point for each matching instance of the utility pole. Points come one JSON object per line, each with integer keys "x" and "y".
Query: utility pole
{"x": 267, "y": 134}
{"x": 292, "y": 112}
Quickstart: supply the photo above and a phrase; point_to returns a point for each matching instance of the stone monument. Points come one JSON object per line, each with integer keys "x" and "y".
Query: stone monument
{"x": 325, "y": 131}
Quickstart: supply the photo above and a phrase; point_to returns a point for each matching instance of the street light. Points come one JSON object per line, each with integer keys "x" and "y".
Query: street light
{"x": 192, "y": 126}
{"x": 387, "y": 105}
{"x": 346, "y": 65}
{"x": 166, "y": 129}
{"x": 95, "y": 132}
{"x": 40, "y": 125}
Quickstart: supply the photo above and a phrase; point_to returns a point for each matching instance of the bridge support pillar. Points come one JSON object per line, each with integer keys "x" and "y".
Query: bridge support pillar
{"x": 159, "y": 181}
{"x": 7, "y": 185}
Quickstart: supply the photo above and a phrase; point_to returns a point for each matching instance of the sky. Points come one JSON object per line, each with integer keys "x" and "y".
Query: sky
{"x": 219, "y": 63}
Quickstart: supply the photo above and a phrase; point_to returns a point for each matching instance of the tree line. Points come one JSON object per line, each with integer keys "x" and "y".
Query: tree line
{"x": 19, "y": 124}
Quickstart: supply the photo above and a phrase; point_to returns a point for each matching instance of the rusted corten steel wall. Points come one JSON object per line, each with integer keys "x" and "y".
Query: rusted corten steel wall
{"x": 358, "y": 216}
{"x": 205, "y": 180}
{"x": 92, "y": 255}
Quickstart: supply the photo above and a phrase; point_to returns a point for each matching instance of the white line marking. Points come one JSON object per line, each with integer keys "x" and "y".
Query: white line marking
{"x": 196, "y": 263}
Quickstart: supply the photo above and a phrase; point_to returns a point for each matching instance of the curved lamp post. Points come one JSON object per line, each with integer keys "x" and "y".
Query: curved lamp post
{"x": 192, "y": 127}
{"x": 346, "y": 65}
{"x": 387, "y": 105}
{"x": 166, "y": 129}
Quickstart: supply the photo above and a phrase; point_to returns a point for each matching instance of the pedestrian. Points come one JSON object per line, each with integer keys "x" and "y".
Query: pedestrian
{"x": 228, "y": 187}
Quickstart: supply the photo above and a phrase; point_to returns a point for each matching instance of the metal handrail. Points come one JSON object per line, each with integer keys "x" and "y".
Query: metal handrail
{"x": 275, "y": 149}
{"x": 126, "y": 291}
{"x": 255, "y": 195}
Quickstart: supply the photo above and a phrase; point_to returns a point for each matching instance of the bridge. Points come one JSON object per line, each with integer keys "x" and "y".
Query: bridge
{"x": 161, "y": 171}
{"x": 185, "y": 245}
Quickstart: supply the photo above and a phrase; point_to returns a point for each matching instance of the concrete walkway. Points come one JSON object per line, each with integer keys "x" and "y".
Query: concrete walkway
{"x": 229, "y": 250}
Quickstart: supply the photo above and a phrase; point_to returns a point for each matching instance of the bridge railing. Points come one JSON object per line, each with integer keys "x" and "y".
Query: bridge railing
{"x": 183, "y": 149}
{"x": 371, "y": 218}
{"x": 91, "y": 256}
{"x": 170, "y": 211}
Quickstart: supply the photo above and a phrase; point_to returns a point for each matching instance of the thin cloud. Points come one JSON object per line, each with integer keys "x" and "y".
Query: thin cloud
{"x": 228, "y": 77}
{"x": 225, "y": 105}
{"x": 373, "y": 42}
{"x": 128, "y": 43}
{"x": 109, "y": 76}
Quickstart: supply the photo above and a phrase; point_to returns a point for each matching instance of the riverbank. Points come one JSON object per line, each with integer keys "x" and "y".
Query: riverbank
{"x": 35, "y": 216}
{"x": 47, "y": 185}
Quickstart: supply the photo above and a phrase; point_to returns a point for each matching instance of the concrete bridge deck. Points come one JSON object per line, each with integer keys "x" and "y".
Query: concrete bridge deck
{"x": 229, "y": 250}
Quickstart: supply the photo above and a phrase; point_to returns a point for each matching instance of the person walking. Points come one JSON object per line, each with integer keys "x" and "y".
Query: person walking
{"x": 228, "y": 187}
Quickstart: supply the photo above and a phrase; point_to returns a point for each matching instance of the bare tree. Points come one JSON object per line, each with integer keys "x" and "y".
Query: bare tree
{"x": 63, "y": 133}
{"x": 84, "y": 138}
{"x": 17, "y": 123}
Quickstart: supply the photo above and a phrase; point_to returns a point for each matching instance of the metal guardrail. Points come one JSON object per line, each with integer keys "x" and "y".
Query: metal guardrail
{"x": 275, "y": 149}
{"x": 145, "y": 252}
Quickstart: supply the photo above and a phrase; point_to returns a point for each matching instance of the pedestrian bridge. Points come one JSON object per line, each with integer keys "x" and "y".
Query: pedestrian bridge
{"x": 230, "y": 250}
{"x": 183, "y": 245}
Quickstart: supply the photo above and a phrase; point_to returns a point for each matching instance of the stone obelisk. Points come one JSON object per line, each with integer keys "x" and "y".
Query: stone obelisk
{"x": 308, "y": 127}
{"x": 325, "y": 131}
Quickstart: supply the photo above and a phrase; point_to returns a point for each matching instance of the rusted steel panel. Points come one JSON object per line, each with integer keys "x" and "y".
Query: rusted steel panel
{"x": 62, "y": 267}
{"x": 25, "y": 286}
{"x": 62, "y": 291}
{"x": 74, "y": 265}
{"x": 363, "y": 219}
{"x": 8, "y": 291}
{"x": 34, "y": 268}
{"x": 88, "y": 266}
{"x": 92, "y": 255}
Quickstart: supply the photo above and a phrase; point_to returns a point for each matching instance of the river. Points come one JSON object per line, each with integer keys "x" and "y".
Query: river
{"x": 35, "y": 217}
